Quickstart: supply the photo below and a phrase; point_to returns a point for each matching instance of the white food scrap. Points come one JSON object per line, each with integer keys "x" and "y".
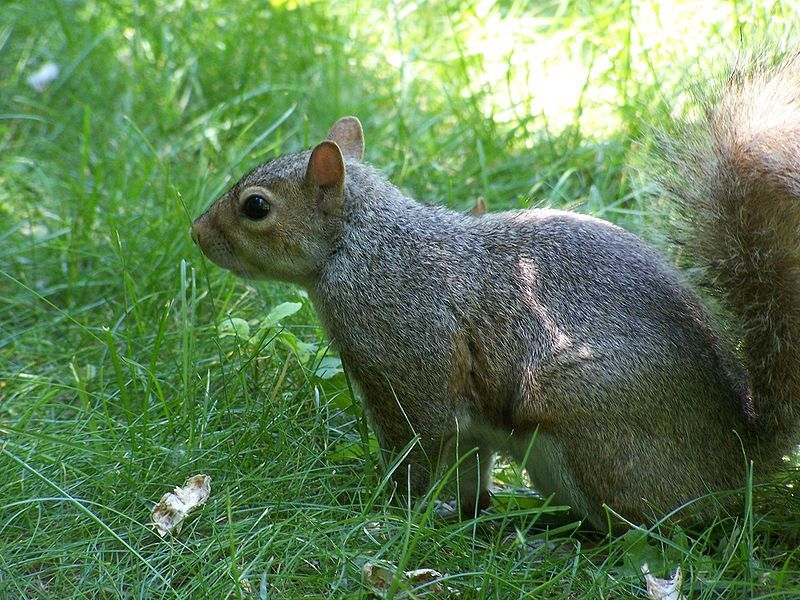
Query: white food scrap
{"x": 43, "y": 76}
{"x": 174, "y": 506}
{"x": 663, "y": 589}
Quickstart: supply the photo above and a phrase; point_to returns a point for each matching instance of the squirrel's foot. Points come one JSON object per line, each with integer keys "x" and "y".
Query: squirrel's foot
{"x": 451, "y": 510}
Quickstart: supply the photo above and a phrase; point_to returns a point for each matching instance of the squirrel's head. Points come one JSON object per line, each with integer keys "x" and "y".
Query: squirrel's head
{"x": 282, "y": 220}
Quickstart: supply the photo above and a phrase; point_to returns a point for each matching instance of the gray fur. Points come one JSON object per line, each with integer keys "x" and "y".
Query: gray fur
{"x": 550, "y": 327}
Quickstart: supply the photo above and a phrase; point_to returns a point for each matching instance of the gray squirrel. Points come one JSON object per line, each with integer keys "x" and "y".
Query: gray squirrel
{"x": 556, "y": 337}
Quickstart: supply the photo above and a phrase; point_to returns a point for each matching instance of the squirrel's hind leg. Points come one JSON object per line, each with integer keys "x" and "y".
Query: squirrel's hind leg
{"x": 473, "y": 459}
{"x": 545, "y": 459}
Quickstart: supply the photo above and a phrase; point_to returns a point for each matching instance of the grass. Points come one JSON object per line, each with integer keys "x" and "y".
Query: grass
{"x": 128, "y": 363}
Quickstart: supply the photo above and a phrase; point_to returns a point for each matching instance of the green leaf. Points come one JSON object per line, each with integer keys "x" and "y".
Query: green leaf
{"x": 329, "y": 367}
{"x": 348, "y": 450}
{"x": 638, "y": 550}
{"x": 232, "y": 326}
{"x": 280, "y": 312}
{"x": 303, "y": 350}
{"x": 343, "y": 401}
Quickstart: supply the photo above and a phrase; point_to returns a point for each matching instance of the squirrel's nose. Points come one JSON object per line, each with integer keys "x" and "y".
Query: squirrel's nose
{"x": 193, "y": 233}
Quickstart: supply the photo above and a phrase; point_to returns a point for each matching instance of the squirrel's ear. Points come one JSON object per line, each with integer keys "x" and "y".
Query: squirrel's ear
{"x": 326, "y": 166}
{"x": 347, "y": 133}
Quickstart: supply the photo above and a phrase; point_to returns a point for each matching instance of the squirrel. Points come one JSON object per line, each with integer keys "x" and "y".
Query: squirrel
{"x": 558, "y": 338}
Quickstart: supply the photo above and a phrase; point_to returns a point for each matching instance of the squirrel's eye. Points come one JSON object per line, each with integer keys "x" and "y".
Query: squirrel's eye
{"x": 255, "y": 207}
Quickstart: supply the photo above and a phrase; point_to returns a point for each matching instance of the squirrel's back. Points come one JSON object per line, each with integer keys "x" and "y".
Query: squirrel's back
{"x": 537, "y": 288}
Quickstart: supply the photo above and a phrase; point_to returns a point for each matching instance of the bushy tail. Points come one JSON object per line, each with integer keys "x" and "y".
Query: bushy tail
{"x": 734, "y": 175}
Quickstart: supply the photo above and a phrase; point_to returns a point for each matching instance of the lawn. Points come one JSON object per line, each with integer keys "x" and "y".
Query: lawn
{"x": 129, "y": 363}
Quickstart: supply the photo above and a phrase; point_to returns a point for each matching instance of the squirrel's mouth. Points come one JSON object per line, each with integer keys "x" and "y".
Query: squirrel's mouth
{"x": 218, "y": 249}
{"x": 229, "y": 260}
